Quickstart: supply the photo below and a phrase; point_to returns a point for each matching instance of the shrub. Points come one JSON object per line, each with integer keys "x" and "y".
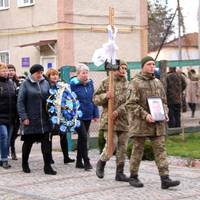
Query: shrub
{"x": 148, "y": 150}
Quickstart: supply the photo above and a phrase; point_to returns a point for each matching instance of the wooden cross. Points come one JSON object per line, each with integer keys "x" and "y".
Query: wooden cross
{"x": 111, "y": 100}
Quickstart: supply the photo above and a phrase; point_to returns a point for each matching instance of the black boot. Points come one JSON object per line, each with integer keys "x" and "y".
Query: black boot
{"x": 51, "y": 159}
{"x": 64, "y": 147}
{"x": 135, "y": 182}
{"x": 68, "y": 160}
{"x": 49, "y": 170}
{"x": 5, "y": 165}
{"x": 192, "y": 114}
{"x": 120, "y": 176}
{"x": 47, "y": 166}
{"x": 26, "y": 149}
{"x": 13, "y": 155}
{"x": 100, "y": 168}
{"x": 87, "y": 165}
{"x": 79, "y": 163}
{"x": 25, "y": 168}
{"x": 166, "y": 182}
{"x": 25, "y": 165}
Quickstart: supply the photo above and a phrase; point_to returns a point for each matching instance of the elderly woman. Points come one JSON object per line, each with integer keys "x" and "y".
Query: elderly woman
{"x": 7, "y": 113}
{"x": 31, "y": 105}
{"x": 84, "y": 89}
{"x": 53, "y": 77}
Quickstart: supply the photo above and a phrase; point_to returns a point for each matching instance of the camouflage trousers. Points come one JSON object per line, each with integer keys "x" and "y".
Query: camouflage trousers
{"x": 160, "y": 155}
{"x": 120, "y": 139}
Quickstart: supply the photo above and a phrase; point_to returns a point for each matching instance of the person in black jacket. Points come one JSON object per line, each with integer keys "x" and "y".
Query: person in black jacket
{"x": 14, "y": 78}
{"x": 176, "y": 84}
{"x": 31, "y": 106}
{"x": 7, "y": 113}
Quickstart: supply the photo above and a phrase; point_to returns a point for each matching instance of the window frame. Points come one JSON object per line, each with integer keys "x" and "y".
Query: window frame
{"x": 5, "y": 7}
{"x": 21, "y": 4}
{"x": 5, "y": 51}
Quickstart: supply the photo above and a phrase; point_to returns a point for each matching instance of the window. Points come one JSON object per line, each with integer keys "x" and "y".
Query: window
{"x": 4, "y": 57}
{"x": 4, "y": 4}
{"x": 24, "y": 3}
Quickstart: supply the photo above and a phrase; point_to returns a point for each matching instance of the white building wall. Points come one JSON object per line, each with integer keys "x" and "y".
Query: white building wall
{"x": 172, "y": 54}
{"x": 96, "y": 13}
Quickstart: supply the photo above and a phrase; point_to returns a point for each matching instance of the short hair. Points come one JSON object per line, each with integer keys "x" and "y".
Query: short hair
{"x": 3, "y": 66}
{"x": 10, "y": 66}
{"x": 51, "y": 72}
{"x": 80, "y": 67}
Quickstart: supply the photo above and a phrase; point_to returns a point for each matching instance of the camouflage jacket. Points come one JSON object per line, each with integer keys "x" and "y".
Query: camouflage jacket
{"x": 140, "y": 88}
{"x": 120, "y": 92}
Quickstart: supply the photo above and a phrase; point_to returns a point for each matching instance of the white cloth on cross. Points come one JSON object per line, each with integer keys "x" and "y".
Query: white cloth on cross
{"x": 109, "y": 50}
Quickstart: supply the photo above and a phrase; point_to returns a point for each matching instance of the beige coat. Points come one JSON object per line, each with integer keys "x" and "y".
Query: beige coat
{"x": 192, "y": 91}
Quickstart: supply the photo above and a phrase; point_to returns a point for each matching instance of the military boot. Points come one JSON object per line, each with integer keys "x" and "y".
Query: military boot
{"x": 100, "y": 168}
{"x": 166, "y": 182}
{"x": 120, "y": 176}
{"x": 135, "y": 182}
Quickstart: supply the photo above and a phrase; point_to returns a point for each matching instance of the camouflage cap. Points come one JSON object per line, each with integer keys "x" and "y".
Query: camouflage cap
{"x": 123, "y": 62}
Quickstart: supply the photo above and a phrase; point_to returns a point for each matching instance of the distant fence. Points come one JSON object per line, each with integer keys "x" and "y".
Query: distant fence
{"x": 163, "y": 64}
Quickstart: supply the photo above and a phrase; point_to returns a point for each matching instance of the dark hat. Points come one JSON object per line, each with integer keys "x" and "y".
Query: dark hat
{"x": 36, "y": 68}
{"x": 146, "y": 59}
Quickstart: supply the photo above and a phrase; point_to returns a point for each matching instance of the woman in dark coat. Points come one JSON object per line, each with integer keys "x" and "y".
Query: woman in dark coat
{"x": 7, "y": 113}
{"x": 31, "y": 105}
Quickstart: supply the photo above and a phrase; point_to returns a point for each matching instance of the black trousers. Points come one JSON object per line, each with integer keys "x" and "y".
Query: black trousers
{"x": 82, "y": 150}
{"x": 174, "y": 115}
{"x": 14, "y": 135}
{"x": 192, "y": 107}
{"x": 63, "y": 144}
{"x": 45, "y": 148}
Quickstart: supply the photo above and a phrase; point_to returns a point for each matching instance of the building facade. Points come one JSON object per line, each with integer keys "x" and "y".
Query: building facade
{"x": 170, "y": 50}
{"x": 56, "y": 33}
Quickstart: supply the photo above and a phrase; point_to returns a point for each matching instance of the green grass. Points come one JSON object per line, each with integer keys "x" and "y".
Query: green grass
{"x": 189, "y": 148}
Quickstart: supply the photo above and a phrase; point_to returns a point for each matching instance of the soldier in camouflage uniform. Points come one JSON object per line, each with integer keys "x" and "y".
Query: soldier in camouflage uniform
{"x": 143, "y": 126}
{"x": 120, "y": 121}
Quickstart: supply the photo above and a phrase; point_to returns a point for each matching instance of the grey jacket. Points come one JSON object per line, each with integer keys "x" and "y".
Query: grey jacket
{"x": 31, "y": 104}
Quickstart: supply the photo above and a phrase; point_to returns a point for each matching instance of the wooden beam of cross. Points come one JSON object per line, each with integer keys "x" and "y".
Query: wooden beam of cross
{"x": 111, "y": 100}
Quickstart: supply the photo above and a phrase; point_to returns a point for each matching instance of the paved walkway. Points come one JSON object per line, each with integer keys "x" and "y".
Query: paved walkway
{"x": 71, "y": 183}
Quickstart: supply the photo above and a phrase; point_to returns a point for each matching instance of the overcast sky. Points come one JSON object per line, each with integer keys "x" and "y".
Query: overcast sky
{"x": 189, "y": 10}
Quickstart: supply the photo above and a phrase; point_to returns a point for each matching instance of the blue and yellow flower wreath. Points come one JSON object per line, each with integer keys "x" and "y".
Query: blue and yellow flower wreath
{"x": 63, "y": 108}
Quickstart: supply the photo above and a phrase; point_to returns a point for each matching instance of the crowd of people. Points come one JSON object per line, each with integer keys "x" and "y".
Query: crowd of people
{"x": 23, "y": 110}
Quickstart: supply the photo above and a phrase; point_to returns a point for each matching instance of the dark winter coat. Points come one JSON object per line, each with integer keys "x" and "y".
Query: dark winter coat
{"x": 85, "y": 95}
{"x": 176, "y": 84}
{"x": 8, "y": 101}
{"x": 31, "y": 105}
